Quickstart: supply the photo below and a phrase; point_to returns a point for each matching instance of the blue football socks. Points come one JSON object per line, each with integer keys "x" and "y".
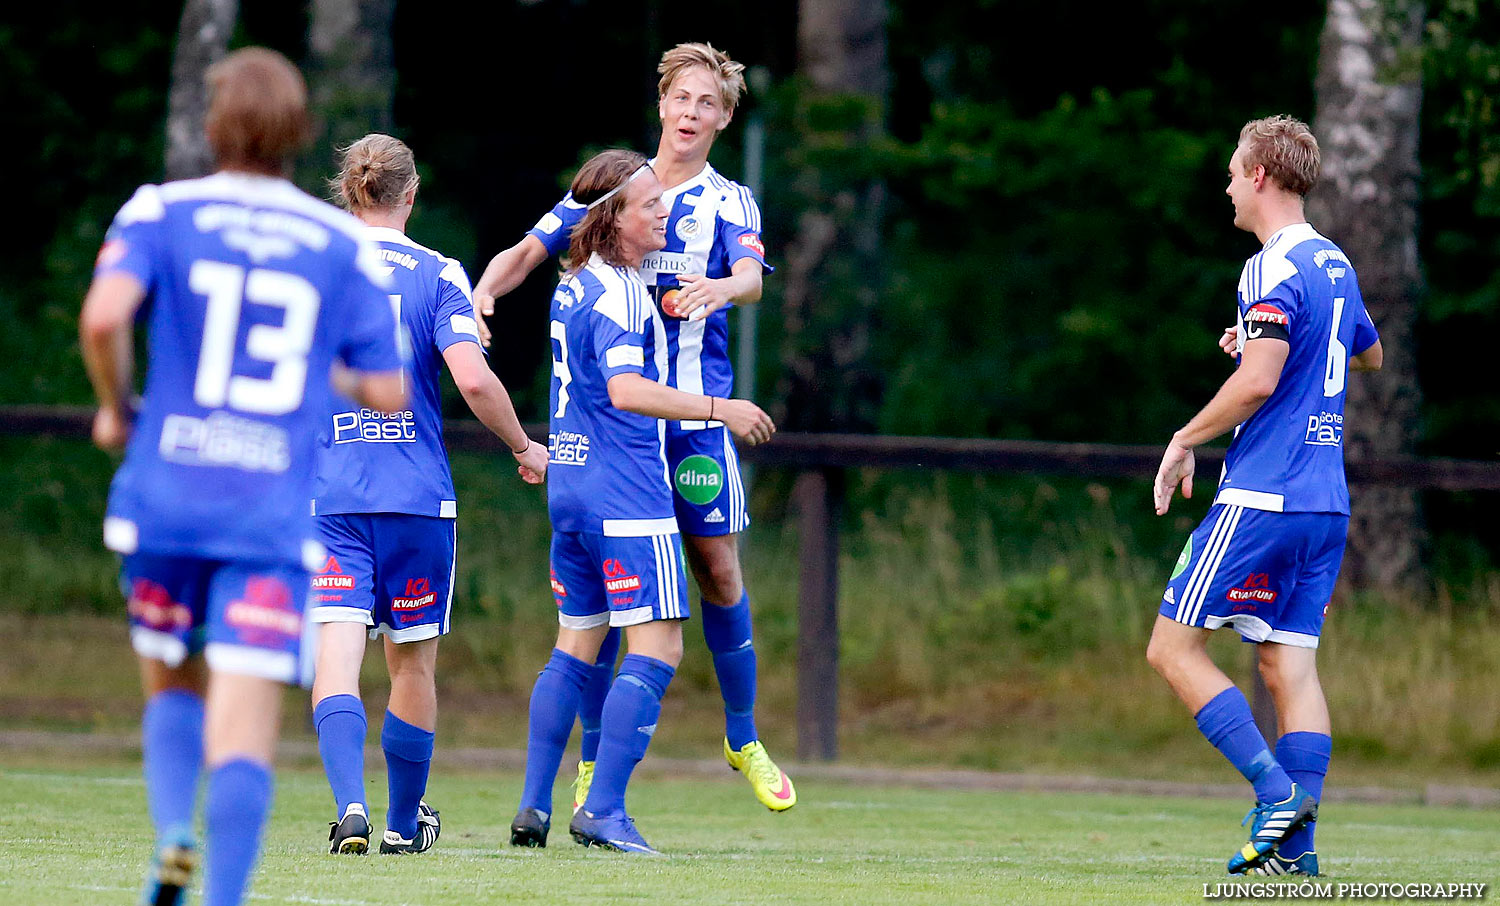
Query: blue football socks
{"x": 554, "y": 703}
{"x": 630, "y": 715}
{"x": 239, "y": 799}
{"x": 341, "y": 724}
{"x": 727, "y": 632}
{"x": 172, "y": 756}
{"x": 1229, "y": 726}
{"x": 408, "y": 756}
{"x": 1305, "y": 758}
{"x": 591, "y": 706}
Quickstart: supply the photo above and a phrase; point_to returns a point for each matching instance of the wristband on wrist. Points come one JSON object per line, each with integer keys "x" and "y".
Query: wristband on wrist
{"x": 523, "y": 449}
{"x": 710, "y": 408}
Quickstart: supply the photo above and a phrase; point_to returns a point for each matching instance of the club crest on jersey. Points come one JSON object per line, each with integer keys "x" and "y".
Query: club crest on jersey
{"x": 752, "y": 242}
{"x": 688, "y": 228}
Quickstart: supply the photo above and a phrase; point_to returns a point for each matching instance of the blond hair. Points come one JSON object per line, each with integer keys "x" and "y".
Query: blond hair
{"x": 597, "y": 233}
{"x": 378, "y": 171}
{"x": 729, "y": 74}
{"x": 257, "y": 111}
{"x": 1286, "y": 148}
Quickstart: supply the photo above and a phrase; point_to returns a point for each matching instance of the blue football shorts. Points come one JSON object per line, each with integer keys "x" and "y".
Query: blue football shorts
{"x": 244, "y": 617}
{"x": 1267, "y": 575}
{"x": 600, "y": 580}
{"x": 392, "y": 572}
{"x": 707, "y": 491}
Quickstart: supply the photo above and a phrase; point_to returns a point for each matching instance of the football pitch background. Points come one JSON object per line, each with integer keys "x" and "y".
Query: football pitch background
{"x": 77, "y": 834}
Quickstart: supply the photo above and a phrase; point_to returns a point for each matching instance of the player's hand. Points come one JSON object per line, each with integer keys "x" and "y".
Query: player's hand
{"x": 484, "y": 307}
{"x": 532, "y": 463}
{"x": 699, "y": 297}
{"x": 1176, "y": 469}
{"x": 111, "y": 429}
{"x": 1230, "y": 340}
{"x": 744, "y": 420}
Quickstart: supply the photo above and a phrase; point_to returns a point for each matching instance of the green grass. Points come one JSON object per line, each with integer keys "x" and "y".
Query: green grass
{"x": 78, "y": 835}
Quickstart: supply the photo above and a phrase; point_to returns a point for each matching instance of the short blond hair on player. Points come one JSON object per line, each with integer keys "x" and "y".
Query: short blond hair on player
{"x": 729, "y": 74}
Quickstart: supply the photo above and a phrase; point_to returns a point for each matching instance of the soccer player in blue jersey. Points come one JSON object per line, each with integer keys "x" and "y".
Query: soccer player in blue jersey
{"x": 386, "y": 510}
{"x": 253, "y": 293}
{"x": 713, "y": 258}
{"x": 1265, "y": 559}
{"x": 615, "y": 540}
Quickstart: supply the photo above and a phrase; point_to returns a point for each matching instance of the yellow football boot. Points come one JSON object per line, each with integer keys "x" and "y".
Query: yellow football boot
{"x": 771, "y": 784}
{"x": 582, "y": 784}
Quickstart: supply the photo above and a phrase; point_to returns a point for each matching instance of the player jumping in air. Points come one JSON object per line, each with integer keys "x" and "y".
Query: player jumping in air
{"x": 713, "y": 258}
{"x": 252, "y": 293}
{"x": 386, "y": 510}
{"x": 615, "y": 545}
{"x": 1265, "y": 559}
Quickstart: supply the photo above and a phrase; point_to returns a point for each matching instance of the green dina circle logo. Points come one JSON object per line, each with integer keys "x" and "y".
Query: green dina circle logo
{"x": 1183, "y": 559}
{"x": 699, "y": 479}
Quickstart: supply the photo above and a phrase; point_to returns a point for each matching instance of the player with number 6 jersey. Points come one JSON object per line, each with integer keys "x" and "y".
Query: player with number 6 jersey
{"x": 254, "y": 296}
{"x": 1265, "y": 560}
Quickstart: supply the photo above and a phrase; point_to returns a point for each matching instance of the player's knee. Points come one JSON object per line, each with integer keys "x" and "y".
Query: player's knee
{"x": 1161, "y": 654}
{"x": 718, "y": 577}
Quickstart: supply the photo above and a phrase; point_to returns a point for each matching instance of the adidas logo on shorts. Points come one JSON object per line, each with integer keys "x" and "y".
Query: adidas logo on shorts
{"x": 714, "y": 515}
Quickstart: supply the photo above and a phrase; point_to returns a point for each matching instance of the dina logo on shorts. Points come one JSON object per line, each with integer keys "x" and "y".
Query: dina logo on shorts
{"x": 1183, "y": 559}
{"x": 699, "y": 479}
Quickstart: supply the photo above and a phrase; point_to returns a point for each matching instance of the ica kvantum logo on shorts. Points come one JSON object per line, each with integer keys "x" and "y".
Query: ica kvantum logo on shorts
{"x": 699, "y": 479}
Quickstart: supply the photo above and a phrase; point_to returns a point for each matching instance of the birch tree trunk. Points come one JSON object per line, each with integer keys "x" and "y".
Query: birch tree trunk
{"x": 202, "y": 39}
{"x": 1369, "y": 101}
{"x": 352, "y": 77}
{"x": 832, "y": 270}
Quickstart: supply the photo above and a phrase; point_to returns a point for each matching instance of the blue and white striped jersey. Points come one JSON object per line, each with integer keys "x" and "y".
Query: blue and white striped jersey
{"x": 1289, "y": 455}
{"x": 608, "y": 470}
{"x": 253, "y": 289}
{"x": 714, "y": 223}
{"x": 395, "y": 462}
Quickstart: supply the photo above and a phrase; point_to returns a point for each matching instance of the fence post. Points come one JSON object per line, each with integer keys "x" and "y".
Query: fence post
{"x": 817, "y": 497}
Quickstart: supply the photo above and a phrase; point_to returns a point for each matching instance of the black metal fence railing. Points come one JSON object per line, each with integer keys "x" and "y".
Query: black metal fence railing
{"x": 817, "y": 498}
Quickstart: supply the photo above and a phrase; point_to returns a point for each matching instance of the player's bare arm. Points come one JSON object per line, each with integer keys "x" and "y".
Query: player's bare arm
{"x": 1369, "y": 360}
{"x": 104, "y": 333}
{"x": 503, "y": 274}
{"x": 741, "y": 287}
{"x": 491, "y": 404}
{"x": 1242, "y": 394}
{"x": 744, "y": 419}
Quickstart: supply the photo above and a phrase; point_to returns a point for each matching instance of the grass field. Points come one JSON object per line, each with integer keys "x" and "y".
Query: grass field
{"x": 77, "y": 834}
